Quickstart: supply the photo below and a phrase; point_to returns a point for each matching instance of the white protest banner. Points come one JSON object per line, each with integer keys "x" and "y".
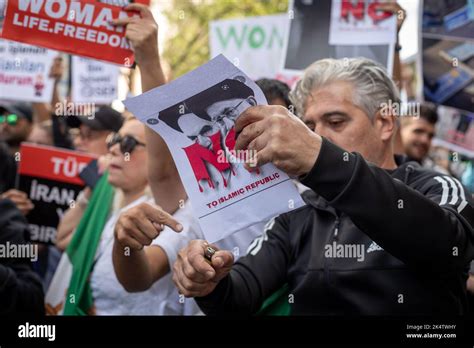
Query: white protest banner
{"x": 254, "y": 44}
{"x": 24, "y": 72}
{"x": 361, "y": 22}
{"x": 195, "y": 115}
{"x": 94, "y": 81}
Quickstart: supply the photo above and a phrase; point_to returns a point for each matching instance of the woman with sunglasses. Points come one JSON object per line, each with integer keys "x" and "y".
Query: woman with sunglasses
{"x": 127, "y": 173}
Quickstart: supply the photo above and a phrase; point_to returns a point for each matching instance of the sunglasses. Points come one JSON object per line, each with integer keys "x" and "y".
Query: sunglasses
{"x": 11, "y": 119}
{"x": 127, "y": 143}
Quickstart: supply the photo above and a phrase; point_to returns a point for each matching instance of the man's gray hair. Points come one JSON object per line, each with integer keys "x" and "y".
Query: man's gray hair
{"x": 373, "y": 88}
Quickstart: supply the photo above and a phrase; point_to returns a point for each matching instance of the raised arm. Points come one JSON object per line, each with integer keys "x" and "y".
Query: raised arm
{"x": 137, "y": 263}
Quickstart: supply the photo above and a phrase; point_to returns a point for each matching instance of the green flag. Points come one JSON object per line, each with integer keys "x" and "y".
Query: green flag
{"x": 83, "y": 246}
{"x": 277, "y": 304}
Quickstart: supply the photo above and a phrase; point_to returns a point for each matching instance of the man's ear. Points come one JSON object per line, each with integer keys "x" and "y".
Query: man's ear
{"x": 385, "y": 124}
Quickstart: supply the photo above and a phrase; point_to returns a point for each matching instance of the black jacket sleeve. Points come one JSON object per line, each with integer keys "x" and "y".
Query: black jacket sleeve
{"x": 431, "y": 227}
{"x": 254, "y": 277}
{"x": 21, "y": 290}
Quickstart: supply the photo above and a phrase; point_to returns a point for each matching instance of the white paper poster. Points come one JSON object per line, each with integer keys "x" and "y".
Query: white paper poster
{"x": 361, "y": 23}
{"x": 253, "y": 44}
{"x": 24, "y": 72}
{"x": 94, "y": 81}
{"x": 195, "y": 115}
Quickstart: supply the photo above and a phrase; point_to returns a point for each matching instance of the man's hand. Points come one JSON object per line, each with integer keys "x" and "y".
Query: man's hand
{"x": 142, "y": 33}
{"x": 193, "y": 275}
{"x": 20, "y": 199}
{"x": 138, "y": 226}
{"x": 279, "y": 137}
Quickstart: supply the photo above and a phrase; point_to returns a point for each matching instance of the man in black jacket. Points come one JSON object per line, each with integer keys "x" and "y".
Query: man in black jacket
{"x": 20, "y": 288}
{"x": 378, "y": 235}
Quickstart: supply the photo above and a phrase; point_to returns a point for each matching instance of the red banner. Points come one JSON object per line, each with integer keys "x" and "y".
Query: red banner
{"x": 79, "y": 27}
{"x": 52, "y": 163}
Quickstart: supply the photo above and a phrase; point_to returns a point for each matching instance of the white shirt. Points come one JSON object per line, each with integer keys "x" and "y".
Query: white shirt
{"x": 172, "y": 242}
{"x": 110, "y": 298}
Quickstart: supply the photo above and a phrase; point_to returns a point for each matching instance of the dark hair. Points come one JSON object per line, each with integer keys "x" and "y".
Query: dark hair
{"x": 273, "y": 89}
{"x": 429, "y": 113}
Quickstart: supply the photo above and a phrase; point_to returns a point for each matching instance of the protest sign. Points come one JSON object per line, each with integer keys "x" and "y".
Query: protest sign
{"x": 195, "y": 115}
{"x": 94, "y": 81}
{"x": 24, "y": 72}
{"x": 361, "y": 20}
{"x": 49, "y": 176}
{"x": 308, "y": 38}
{"x": 76, "y": 27}
{"x": 253, "y": 44}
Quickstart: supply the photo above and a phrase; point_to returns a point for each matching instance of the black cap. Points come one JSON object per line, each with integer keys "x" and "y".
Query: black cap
{"x": 104, "y": 118}
{"x": 21, "y": 109}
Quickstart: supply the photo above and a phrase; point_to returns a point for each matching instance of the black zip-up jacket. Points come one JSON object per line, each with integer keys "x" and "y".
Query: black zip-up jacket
{"x": 21, "y": 290}
{"x": 414, "y": 226}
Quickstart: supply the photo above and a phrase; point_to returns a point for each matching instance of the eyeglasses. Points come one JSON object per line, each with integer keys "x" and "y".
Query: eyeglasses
{"x": 233, "y": 112}
{"x": 11, "y": 119}
{"x": 127, "y": 143}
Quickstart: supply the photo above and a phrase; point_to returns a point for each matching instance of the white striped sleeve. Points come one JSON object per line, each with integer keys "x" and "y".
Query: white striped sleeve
{"x": 453, "y": 193}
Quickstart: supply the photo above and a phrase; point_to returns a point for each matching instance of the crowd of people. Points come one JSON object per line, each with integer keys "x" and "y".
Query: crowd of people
{"x": 366, "y": 174}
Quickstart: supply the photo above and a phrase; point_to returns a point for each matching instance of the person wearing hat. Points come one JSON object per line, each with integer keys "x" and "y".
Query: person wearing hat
{"x": 16, "y": 122}
{"x": 92, "y": 130}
